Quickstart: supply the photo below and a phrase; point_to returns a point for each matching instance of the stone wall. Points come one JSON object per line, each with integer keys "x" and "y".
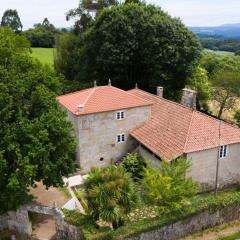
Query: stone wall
{"x": 204, "y": 167}
{"x": 66, "y": 231}
{"x": 191, "y": 225}
{"x": 18, "y": 221}
{"x": 97, "y": 133}
{"x": 146, "y": 154}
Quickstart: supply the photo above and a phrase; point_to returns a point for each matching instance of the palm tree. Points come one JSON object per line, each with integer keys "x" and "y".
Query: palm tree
{"x": 110, "y": 194}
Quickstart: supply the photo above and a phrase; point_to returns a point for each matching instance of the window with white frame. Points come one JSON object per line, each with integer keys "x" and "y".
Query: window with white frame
{"x": 223, "y": 151}
{"x": 121, "y": 138}
{"x": 120, "y": 115}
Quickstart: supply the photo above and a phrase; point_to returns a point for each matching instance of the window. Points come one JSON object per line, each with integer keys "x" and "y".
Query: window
{"x": 120, "y": 115}
{"x": 121, "y": 138}
{"x": 223, "y": 151}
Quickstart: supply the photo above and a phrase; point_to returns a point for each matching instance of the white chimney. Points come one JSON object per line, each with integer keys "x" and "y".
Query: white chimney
{"x": 80, "y": 107}
{"x": 160, "y": 92}
{"x": 189, "y": 98}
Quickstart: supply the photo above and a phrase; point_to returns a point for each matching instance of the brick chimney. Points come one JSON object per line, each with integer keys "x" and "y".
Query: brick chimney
{"x": 189, "y": 98}
{"x": 160, "y": 91}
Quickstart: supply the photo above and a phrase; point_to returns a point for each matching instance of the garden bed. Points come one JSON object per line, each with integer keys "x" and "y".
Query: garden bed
{"x": 146, "y": 218}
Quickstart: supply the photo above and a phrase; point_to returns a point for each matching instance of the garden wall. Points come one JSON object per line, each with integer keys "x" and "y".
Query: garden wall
{"x": 18, "y": 221}
{"x": 191, "y": 225}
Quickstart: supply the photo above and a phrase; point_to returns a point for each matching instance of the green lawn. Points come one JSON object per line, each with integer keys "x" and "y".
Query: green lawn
{"x": 235, "y": 236}
{"x": 44, "y": 55}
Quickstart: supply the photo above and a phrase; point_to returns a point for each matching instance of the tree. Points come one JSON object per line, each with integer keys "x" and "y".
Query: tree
{"x": 199, "y": 81}
{"x": 42, "y": 35}
{"x": 134, "y": 164}
{"x": 237, "y": 117}
{"x": 214, "y": 62}
{"x": 47, "y": 25}
{"x": 11, "y": 19}
{"x": 110, "y": 194}
{"x": 226, "y": 88}
{"x": 163, "y": 53}
{"x": 86, "y": 11}
{"x": 35, "y": 138}
{"x": 168, "y": 187}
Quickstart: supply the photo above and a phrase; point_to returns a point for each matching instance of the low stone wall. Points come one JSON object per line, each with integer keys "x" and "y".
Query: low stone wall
{"x": 191, "y": 225}
{"x": 18, "y": 221}
{"x": 66, "y": 231}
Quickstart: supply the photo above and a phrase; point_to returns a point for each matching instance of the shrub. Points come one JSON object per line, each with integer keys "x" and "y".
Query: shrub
{"x": 168, "y": 187}
{"x": 110, "y": 194}
{"x": 134, "y": 164}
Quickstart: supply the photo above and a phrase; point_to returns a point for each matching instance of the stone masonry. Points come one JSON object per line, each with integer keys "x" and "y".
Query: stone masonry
{"x": 97, "y": 133}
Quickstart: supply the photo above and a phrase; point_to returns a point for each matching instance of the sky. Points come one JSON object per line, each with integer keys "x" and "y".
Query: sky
{"x": 191, "y": 12}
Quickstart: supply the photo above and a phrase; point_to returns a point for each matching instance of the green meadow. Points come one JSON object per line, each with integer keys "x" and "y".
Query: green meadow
{"x": 44, "y": 55}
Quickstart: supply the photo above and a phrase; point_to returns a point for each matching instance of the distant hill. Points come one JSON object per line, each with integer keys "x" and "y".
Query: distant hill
{"x": 227, "y": 31}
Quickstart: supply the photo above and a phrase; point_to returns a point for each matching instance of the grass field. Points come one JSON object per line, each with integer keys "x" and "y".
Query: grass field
{"x": 44, "y": 55}
{"x": 219, "y": 52}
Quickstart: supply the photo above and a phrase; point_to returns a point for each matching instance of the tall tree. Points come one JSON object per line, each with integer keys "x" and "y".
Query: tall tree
{"x": 225, "y": 89}
{"x": 163, "y": 53}
{"x": 86, "y": 11}
{"x": 47, "y": 25}
{"x": 11, "y": 19}
{"x": 35, "y": 137}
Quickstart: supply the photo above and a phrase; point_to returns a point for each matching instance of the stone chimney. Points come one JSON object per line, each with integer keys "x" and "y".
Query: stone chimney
{"x": 189, "y": 98}
{"x": 160, "y": 92}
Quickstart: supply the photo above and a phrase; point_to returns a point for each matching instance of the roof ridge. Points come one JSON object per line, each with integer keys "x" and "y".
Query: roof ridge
{"x": 189, "y": 128}
{"x": 89, "y": 95}
{"x": 179, "y": 104}
{"x": 71, "y": 93}
{"x": 164, "y": 99}
{"x": 127, "y": 92}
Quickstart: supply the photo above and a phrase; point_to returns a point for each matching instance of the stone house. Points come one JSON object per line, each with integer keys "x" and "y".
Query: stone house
{"x": 110, "y": 122}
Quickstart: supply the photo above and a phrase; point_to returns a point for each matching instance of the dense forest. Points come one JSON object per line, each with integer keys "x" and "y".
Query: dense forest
{"x": 220, "y": 44}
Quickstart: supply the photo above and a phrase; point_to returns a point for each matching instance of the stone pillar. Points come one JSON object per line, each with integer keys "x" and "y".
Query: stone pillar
{"x": 160, "y": 92}
{"x": 189, "y": 98}
{"x": 19, "y": 221}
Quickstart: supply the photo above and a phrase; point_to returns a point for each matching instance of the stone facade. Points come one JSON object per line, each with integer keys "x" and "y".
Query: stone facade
{"x": 191, "y": 225}
{"x": 153, "y": 160}
{"x": 204, "y": 167}
{"x": 97, "y": 133}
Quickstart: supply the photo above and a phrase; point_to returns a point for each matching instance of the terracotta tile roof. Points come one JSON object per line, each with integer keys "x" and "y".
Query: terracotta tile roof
{"x": 100, "y": 99}
{"x": 175, "y": 129}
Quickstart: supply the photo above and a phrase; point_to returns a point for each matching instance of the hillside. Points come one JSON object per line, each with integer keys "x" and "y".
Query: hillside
{"x": 223, "y": 31}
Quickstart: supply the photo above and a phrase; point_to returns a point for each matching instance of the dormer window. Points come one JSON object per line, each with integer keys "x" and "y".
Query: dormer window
{"x": 223, "y": 151}
{"x": 120, "y": 115}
